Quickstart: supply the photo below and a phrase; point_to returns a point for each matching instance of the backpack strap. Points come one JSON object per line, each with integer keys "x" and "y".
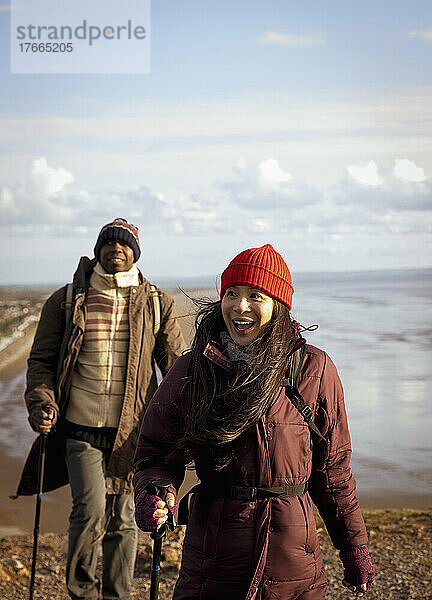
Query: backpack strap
{"x": 67, "y": 304}
{"x": 154, "y": 294}
{"x": 295, "y": 366}
{"x": 290, "y": 383}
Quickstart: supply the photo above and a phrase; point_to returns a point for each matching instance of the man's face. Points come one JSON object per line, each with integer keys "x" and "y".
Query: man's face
{"x": 116, "y": 256}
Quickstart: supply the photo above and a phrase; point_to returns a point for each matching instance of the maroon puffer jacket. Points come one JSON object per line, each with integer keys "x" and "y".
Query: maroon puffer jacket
{"x": 266, "y": 548}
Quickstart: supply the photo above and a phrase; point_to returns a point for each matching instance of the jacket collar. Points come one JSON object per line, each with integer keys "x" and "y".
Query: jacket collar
{"x": 215, "y": 352}
{"x": 83, "y": 272}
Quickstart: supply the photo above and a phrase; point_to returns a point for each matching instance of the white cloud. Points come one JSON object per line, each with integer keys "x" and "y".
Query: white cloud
{"x": 48, "y": 180}
{"x": 261, "y": 199}
{"x": 270, "y": 173}
{"x": 256, "y": 198}
{"x": 260, "y": 226}
{"x": 403, "y": 188}
{"x": 407, "y": 171}
{"x": 350, "y": 225}
{"x": 366, "y": 175}
{"x": 177, "y": 150}
{"x": 44, "y": 202}
{"x": 320, "y": 131}
{"x": 6, "y": 200}
{"x": 265, "y": 185}
{"x": 275, "y": 38}
{"x": 425, "y": 35}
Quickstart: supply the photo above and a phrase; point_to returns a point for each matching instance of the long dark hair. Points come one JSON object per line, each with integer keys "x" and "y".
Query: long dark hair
{"x": 223, "y": 406}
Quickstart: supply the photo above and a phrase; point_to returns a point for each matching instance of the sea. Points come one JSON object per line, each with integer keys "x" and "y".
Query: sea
{"x": 376, "y": 326}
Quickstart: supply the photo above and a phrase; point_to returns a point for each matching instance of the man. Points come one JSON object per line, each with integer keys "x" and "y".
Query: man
{"x": 90, "y": 374}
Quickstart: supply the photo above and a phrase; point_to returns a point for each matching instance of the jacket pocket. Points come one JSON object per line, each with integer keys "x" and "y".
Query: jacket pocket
{"x": 311, "y": 541}
{"x": 307, "y": 527}
{"x": 287, "y": 558}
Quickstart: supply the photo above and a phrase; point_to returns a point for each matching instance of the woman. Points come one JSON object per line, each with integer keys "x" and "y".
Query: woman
{"x": 224, "y": 405}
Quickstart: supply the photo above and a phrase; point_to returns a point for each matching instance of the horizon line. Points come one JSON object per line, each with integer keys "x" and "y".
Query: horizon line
{"x": 190, "y": 278}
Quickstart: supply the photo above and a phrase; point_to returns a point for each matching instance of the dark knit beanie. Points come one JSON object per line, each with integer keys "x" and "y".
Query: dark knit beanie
{"x": 262, "y": 268}
{"x": 121, "y": 230}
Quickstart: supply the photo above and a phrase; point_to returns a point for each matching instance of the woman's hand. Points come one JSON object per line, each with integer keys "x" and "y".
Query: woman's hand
{"x": 359, "y": 591}
{"x": 161, "y": 512}
{"x": 151, "y": 512}
{"x": 359, "y": 573}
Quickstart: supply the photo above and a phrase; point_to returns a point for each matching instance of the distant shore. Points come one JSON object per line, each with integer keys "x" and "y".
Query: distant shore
{"x": 13, "y": 357}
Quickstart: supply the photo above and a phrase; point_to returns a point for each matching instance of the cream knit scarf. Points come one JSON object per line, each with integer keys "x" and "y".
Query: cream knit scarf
{"x": 101, "y": 280}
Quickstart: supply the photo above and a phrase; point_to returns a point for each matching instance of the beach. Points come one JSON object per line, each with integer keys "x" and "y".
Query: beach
{"x": 391, "y": 457}
{"x": 375, "y": 328}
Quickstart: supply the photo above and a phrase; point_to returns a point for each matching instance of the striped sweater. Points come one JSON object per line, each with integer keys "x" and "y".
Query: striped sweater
{"x": 97, "y": 386}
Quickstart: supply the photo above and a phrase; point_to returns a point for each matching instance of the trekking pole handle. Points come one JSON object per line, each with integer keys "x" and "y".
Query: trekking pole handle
{"x": 50, "y": 410}
{"x": 159, "y": 487}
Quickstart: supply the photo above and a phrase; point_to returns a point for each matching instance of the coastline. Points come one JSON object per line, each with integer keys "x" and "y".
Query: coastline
{"x": 16, "y": 516}
{"x": 14, "y": 356}
{"x": 399, "y": 525}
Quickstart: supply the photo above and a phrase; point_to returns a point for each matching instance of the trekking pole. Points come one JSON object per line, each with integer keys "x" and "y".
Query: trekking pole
{"x": 158, "y": 488}
{"x": 41, "y": 468}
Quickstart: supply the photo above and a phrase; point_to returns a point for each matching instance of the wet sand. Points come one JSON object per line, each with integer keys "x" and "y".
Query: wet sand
{"x": 17, "y": 516}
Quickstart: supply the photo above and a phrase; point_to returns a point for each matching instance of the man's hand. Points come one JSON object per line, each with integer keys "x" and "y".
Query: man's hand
{"x": 42, "y": 419}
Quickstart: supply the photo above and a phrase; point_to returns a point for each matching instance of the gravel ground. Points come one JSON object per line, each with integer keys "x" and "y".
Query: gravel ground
{"x": 400, "y": 545}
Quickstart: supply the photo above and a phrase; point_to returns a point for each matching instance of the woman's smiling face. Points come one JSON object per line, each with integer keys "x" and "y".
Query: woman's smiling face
{"x": 245, "y": 311}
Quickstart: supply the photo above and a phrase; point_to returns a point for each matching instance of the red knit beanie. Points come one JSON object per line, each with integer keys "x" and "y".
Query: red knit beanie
{"x": 262, "y": 268}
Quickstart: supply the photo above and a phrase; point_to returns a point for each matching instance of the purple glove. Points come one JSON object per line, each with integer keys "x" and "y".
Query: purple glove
{"x": 145, "y": 507}
{"x": 358, "y": 567}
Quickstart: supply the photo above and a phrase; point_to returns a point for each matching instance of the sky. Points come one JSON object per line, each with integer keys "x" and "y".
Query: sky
{"x": 306, "y": 125}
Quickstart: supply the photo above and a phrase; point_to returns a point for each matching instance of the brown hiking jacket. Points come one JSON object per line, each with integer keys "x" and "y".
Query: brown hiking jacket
{"x": 266, "y": 548}
{"x": 53, "y": 355}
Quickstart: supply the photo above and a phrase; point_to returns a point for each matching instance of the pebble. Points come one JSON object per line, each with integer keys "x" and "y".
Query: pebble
{"x": 402, "y": 561}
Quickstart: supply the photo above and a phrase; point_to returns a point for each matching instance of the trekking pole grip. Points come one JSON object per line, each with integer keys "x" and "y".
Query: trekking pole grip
{"x": 159, "y": 487}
